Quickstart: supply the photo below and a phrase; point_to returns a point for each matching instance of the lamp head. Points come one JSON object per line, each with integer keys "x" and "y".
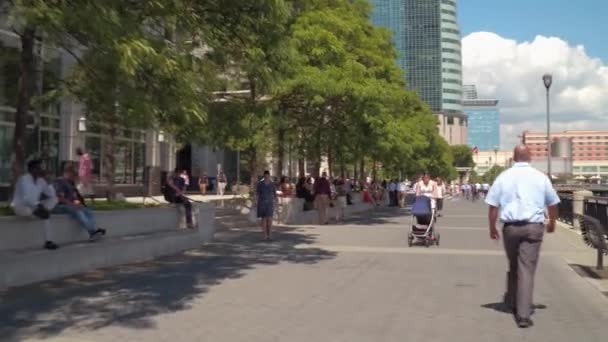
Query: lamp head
{"x": 547, "y": 80}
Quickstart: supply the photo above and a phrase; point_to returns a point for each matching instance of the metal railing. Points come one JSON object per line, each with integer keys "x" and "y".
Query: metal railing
{"x": 593, "y": 222}
{"x": 597, "y": 207}
{"x": 565, "y": 208}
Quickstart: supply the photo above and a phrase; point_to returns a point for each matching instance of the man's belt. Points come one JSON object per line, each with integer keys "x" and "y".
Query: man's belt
{"x": 521, "y": 223}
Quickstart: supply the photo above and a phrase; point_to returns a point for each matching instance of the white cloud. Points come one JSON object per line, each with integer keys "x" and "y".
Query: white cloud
{"x": 511, "y": 72}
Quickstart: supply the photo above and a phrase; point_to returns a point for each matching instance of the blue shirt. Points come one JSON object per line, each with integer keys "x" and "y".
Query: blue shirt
{"x": 522, "y": 193}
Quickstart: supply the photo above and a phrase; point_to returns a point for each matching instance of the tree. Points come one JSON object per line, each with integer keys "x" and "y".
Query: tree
{"x": 463, "y": 156}
{"x": 490, "y": 175}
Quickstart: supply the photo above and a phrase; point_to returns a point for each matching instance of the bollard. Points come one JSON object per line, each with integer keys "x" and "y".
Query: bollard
{"x": 578, "y": 205}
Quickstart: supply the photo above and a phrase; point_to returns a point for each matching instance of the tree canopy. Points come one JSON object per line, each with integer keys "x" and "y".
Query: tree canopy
{"x": 314, "y": 77}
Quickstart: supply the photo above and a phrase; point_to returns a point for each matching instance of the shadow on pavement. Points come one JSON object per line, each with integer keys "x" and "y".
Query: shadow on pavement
{"x": 131, "y": 295}
{"x": 379, "y": 216}
{"x": 504, "y": 308}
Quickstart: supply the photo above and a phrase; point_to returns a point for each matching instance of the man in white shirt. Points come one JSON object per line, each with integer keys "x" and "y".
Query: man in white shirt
{"x": 402, "y": 188}
{"x": 35, "y": 197}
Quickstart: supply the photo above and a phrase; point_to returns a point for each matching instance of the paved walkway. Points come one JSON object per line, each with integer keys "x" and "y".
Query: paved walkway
{"x": 354, "y": 282}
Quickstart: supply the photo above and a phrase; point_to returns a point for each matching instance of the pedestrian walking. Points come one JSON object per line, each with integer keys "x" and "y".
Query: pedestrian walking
{"x": 341, "y": 202}
{"x": 322, "y": 191}
{"x": 85, "y": 173}
{"x": 203, "y": 183}
{"x": 440, "y": 190}
{"x": 221, "y": 183}
{"x": 266, "y": 198}
{"x": 519, "y": 197}
{"x": 392, "y": 193}
{"x": 402, "y": 188}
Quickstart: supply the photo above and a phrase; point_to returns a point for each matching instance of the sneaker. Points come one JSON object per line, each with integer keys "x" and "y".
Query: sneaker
{"x": 93, "y": 236}
{"x": 50, "y": 245}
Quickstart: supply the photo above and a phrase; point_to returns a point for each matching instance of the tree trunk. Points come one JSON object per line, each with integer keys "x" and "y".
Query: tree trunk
{"x": 374, "y": 171}
{"x": 301, "y": 168}
{"x": 26, "y": 71}
{"x": 253, "y": 167}
{"x": 281, "y": 151}
{"x": 362, "y": 168}
{"x": 330, "y": 161}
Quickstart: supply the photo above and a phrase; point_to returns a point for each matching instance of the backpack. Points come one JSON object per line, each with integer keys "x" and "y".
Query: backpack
{"x": 168, "y": 193}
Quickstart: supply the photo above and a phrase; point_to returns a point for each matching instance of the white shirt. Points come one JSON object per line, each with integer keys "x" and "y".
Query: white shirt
{"x": 440, "y": 190}
{"x": 27, "y": 192}
{"x": 403, "y": 187}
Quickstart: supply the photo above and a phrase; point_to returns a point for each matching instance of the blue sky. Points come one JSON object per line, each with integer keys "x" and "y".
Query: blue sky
{"x": 579, "y": 22}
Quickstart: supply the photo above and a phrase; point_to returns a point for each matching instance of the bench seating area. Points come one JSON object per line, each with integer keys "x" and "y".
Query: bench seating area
{"x": 132, "y": 235}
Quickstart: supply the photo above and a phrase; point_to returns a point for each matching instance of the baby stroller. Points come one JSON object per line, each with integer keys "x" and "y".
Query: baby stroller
{"x": 423, "y": 220}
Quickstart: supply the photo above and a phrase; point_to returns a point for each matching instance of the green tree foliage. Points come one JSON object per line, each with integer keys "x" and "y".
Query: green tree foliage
{"x": 462, "y": 155}
{"x": 319, "y": 78}
{"x": 490, "y": 175}
{"x": 345, "y": 97}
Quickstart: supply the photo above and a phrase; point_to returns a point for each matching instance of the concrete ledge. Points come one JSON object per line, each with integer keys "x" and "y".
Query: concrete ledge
{"x": 40, "y": 265}
{"x": 18, "y": 233}
{"x": 140, "y": 234}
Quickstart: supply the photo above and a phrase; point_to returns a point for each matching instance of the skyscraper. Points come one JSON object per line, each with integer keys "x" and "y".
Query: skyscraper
{"x": 427, "y": 39}
{"x": 484, "y": 120}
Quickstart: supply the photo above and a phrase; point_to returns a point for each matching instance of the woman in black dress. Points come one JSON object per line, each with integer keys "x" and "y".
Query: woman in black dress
{"x": 266, "y": 198}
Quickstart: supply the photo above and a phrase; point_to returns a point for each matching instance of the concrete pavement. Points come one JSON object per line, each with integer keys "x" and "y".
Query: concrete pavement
{"x": 352, "y": 282}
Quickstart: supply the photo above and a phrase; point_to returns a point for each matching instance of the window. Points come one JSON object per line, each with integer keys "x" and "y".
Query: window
{"x": 451, "y": 101}
{"x": 449, "y": 30}
{"x": 450, "y": 40}
{"x": 129, "y": 157}
{"x": 455, "y": 61}
{"x": 450, "y": 50}
{"x": 450, "y": 120}
{"x": 449, "y": 12}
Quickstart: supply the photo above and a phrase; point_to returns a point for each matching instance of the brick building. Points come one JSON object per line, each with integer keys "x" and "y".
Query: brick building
{"x": 589, "y": 150}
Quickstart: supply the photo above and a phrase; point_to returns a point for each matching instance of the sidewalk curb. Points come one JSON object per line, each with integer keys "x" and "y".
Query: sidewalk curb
{"x": 569, "y": 228}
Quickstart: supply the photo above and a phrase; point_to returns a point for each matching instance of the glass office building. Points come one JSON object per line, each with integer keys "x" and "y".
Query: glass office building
{"x": 427, "y": 39}
{"x": 484, "y": 124}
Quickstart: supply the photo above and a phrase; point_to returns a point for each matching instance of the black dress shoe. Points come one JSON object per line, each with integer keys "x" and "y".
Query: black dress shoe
{"x": 50, "y": 245}
{"x": 523, "y": 322}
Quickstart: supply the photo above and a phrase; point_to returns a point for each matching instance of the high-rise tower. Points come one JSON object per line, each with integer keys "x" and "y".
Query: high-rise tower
{"x": 427, "y": 38}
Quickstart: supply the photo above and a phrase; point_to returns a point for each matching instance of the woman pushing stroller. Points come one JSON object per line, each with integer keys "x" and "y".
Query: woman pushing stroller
{"x": 424, "y": 213}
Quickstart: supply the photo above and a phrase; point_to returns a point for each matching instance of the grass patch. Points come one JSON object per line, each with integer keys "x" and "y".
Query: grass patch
{"x": 6, "y": 211}
{"x": 108, "y": 206}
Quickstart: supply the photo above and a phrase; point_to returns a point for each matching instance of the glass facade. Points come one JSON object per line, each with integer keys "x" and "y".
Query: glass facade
{"x": 484, "y": 128}
{"x": 427, "y": 38}
{"x": 43, "y": 129}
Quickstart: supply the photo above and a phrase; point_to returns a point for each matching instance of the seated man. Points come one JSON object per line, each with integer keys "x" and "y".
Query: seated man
{"x": 34, "y": 196}
{"x": 177, "y": 187}
{"x": 71, "y": 203}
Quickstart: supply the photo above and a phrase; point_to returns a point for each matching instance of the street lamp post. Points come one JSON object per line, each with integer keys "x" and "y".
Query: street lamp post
{"x": 547, "y": 80}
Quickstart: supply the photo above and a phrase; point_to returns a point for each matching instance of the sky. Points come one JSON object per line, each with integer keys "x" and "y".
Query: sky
{"x": 509, "y": 45}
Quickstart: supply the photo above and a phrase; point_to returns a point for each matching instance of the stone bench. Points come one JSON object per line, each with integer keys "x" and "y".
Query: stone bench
{"x": 132, "y": 235}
